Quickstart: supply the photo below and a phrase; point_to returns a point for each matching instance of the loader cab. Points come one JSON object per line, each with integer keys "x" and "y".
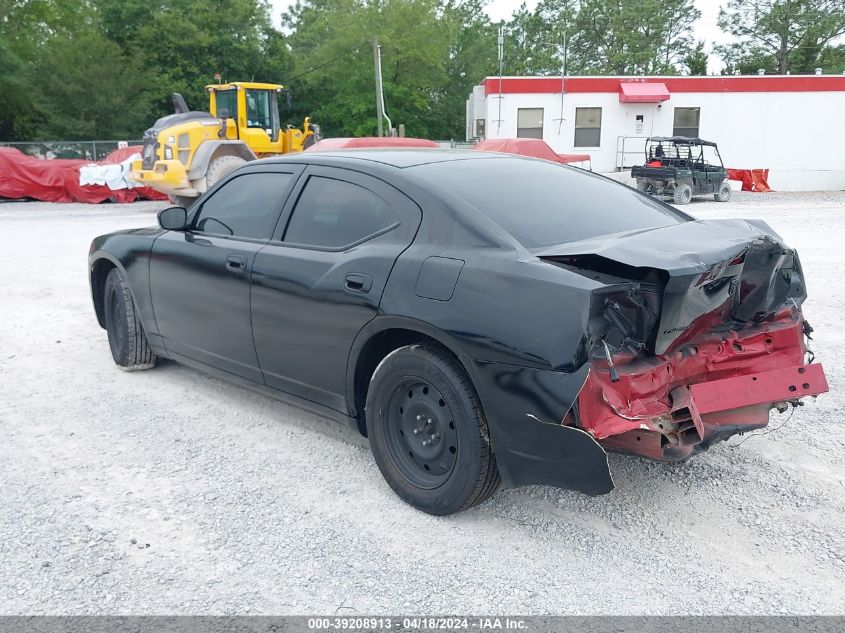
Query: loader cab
{"x": 251, "y": 111}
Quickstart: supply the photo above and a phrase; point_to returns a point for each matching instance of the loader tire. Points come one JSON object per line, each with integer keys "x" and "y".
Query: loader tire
{"x": 183, "y": 201}
{"x": 221, "y": 167}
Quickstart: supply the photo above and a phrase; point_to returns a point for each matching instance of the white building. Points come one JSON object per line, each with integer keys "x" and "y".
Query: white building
{"x": 792, "y": 125}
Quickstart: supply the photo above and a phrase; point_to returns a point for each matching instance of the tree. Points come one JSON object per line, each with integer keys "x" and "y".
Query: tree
{"x": 87, "y": 89}
{"x": 696, "y": 60}
{"x": 633, "y": 38}
{"x": 781, "y": 35}
{"x": 427, "y": 70}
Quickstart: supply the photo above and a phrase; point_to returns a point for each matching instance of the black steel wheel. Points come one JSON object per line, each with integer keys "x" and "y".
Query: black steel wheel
{"x": 422, "y": 437}
{"x": 127, "y": 341}
{"x": 427, "y": 431}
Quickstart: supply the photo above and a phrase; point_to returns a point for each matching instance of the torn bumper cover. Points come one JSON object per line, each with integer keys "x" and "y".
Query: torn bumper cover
{"x": 694, "y": 333}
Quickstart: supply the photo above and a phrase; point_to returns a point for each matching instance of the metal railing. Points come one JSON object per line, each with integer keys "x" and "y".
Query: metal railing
{"x": 85, "y": 150}
{"x": 630, "y": 151}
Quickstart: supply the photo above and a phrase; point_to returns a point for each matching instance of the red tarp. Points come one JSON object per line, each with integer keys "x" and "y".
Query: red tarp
{"x": 643, "y": 92}
{"x": 533, "y": 147}
{"x": 23, "y": 176}
{"x": 328, "y": 144}
{"x": 756, "y": 180}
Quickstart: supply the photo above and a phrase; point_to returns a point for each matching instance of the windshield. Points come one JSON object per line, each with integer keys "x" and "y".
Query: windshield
{"x": 227, "y": 103}
{"x": 543, "y": 204}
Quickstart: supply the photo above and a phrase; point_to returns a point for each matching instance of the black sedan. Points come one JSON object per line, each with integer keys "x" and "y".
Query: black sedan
{"x": 481, "y": 318}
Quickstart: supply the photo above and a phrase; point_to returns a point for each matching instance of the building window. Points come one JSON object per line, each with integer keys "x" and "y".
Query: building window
{"x": 479, "y": 128}
{"x": 529, "y": 123}
{"x": 686, "y": 122}
{"x": 587, "y": 127}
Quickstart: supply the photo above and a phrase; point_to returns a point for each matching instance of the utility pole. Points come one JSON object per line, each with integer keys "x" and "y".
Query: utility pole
{"x": 500, "y": 41}
{"x": 379, "y": 93}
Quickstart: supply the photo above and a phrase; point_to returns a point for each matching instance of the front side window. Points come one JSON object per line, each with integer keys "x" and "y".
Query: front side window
{"x": 247, "y": 206}
{"x": 686, "y": 122}
{"x": 529, "y": 123}
{"x": 587, "y": 127}
{"x": 258, "y": 109}
{"x": 333, "y": 213}
{"x": 227, "y": 103}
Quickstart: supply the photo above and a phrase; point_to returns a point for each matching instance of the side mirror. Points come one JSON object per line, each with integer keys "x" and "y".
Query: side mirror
{"x": 173, "y": 219}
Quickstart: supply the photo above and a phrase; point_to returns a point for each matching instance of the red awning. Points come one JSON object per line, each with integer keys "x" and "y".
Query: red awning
{"x": 643, "y": 92}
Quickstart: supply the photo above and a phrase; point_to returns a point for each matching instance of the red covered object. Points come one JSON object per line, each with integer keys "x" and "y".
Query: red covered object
{"x": 23, "y": 176}
{"x": 363, "y": 142}
{"x": 756, "y": 180}
{"x": 533, "y": 147}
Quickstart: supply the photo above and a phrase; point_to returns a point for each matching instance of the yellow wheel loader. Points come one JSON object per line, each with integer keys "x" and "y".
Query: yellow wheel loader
{"x": 187, "y": 152}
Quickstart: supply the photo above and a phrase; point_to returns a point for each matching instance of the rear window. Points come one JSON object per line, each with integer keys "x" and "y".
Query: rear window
{"x": 543, "y": 204}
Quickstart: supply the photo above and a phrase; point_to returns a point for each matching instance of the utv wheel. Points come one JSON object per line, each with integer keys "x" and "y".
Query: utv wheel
{"x": 724, "y": 193}
{"x": 127, "y": 340}
{"x": 683, "y": 193}
{"x": 220, "y": 167}
{"x": 428, "y": 433}
{"x": 642, "y": 185}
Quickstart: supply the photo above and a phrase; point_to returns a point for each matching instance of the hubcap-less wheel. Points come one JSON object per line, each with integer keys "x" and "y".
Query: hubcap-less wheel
{"x": 427, "y": 430}
{"x": 421, "y": 436}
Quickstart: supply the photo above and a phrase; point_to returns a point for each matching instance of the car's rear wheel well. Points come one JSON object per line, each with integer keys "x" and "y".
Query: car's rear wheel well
{"x": 373, "y": 352}
{"x": 99, "y": 272}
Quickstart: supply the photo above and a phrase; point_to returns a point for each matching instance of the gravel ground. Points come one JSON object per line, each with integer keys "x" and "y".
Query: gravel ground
{"x": 168, "y": 492}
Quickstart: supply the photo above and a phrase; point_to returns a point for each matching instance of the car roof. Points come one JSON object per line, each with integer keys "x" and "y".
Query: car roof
{"x": 682, "y": 139}
{"x": 398, "y": 157}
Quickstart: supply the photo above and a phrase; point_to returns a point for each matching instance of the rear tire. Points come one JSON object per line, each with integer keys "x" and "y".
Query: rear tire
{"x": 683, "y": 193}
{"x": 427, "y": 431}
{"x": 127, "y": 341}
{"x": 221, "y": 167}
{"x": 724, "y": 193}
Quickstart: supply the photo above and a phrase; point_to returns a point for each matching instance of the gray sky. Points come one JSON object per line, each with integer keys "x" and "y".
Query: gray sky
{"x": 705, "y": 29}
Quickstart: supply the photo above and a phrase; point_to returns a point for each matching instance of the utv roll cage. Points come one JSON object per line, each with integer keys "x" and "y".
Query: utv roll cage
{"x": 681, "y": 152}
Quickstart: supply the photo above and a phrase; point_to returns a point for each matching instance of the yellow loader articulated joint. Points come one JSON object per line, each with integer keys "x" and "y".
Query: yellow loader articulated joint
{"x": 187, "y": 152}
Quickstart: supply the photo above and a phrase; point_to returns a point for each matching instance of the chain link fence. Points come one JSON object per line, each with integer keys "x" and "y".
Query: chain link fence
{"x": 86, "y": 150}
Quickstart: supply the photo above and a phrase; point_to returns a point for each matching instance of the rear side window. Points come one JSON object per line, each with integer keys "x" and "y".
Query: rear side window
{"x": 247, "y": 206}
{"x": 333, "y": 213}
{"x": 543, "y": 204}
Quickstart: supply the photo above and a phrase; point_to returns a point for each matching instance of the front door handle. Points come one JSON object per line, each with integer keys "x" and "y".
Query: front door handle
{"x": 236, "y": 263}
{"x": 358, "y": 282}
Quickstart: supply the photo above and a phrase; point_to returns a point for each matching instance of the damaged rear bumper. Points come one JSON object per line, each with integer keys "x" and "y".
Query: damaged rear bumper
{"x": 704, "y": 413}
{"x": 670, "y": 407}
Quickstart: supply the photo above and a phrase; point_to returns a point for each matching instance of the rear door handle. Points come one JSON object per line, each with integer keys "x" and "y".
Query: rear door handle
{"x": 236, "y": 263}
{"x": 358, "y": 282}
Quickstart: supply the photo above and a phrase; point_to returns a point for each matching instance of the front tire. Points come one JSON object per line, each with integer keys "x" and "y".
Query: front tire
{"x": 427, "y": 431}
{"x": 127, "y": 341}
{"x": 683, "y": 193}
{"x": 724, "y": 193}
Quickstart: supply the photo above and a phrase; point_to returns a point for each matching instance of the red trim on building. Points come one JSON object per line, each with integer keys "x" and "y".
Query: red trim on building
{"x": 643, "y": 92}
{"x": 767, "y": 83}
